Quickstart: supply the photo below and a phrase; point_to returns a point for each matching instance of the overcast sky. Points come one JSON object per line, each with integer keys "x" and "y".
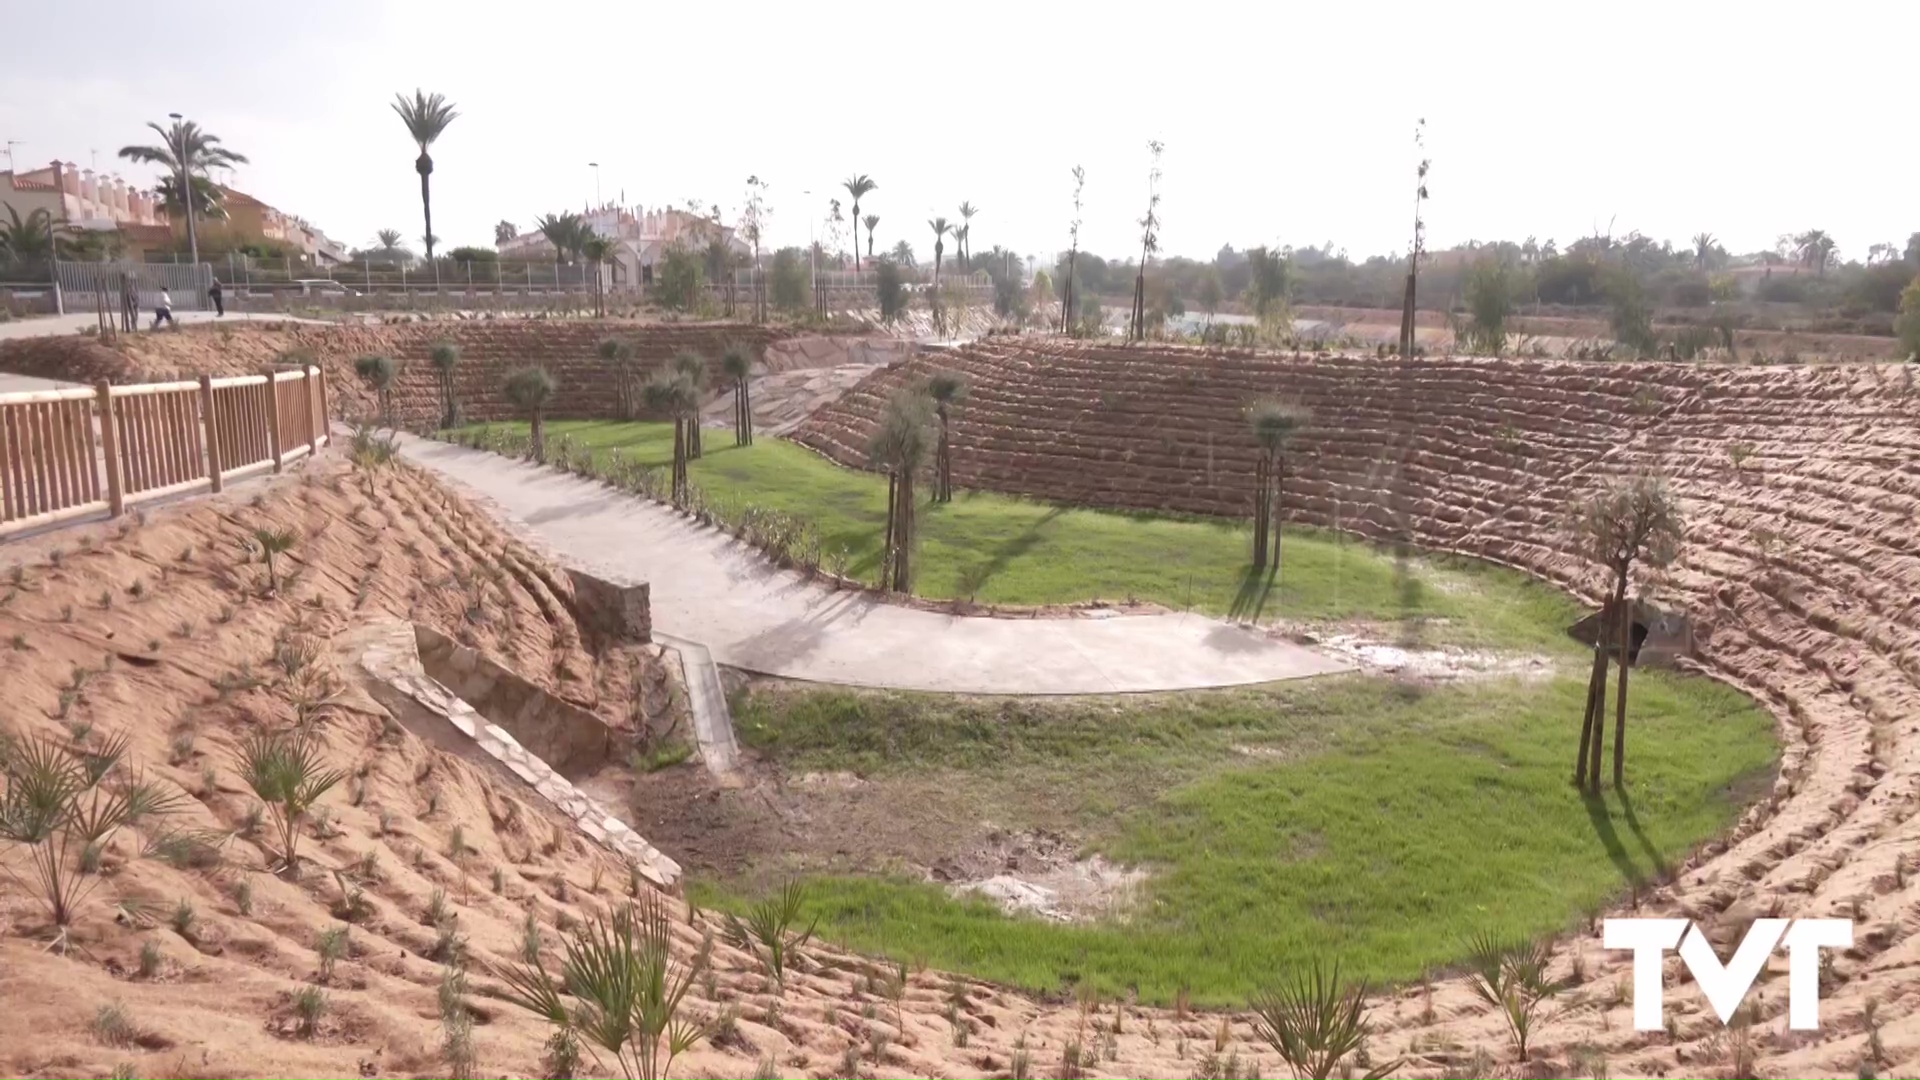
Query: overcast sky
{"x": 1283, "y": 122}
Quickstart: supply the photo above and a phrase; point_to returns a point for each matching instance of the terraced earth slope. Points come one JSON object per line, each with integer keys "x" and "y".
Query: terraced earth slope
{"x": 1802, "y": 562}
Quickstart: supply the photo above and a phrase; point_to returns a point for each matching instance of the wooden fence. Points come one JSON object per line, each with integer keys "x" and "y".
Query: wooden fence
{"x": 67, "y": 453}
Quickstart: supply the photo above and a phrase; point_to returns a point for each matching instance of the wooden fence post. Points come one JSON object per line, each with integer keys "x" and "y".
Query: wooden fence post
{"x": 312, "y": 398}
{"x": 273, "y": 419}
{"x": 210, "y": 421}
{"x": 110, "y": 449}
{"x": 326, "y": 425}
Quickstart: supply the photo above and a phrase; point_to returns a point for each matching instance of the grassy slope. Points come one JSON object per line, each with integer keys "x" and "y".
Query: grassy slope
{"x": 1005, "y": 550}
{"x": 1387, "y": 825}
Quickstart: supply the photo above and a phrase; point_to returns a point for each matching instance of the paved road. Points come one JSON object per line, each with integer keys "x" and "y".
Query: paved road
{"x": 706, "y": 587}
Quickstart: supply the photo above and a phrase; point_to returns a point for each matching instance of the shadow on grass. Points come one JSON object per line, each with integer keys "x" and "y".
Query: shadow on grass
{"x": 1610, "y": 838}
{"x": 977, "y": 576}
{"x": 1654, "y": 859}
{"x": 1255, "y": 587}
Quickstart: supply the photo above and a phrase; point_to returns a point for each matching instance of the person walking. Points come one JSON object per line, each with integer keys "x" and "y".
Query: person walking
{"x": 219, "y": 304}
{"x": 163, "y": 311}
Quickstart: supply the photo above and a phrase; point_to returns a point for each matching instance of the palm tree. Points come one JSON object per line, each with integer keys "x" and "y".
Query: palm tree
{"x": 1816, "y": 249}
{"x": 1314, "y": 1021}
{"x": 566, "y": 232}
{"x": 61, "y": 809}
{"x": 287, "y": 773}
{"x": 273, "y": 543}
{"x": 675, "y": 396}
{"x": 619, "y": 353}
{"x": 207, "y": 197}
{"x": 856, "y": 187}
{"x": 426, "y": 117}
{"x": 1274, "y": 425}
{"x": 597, "y": 250}
{"x": 899, "y": 446}
{"x": 531, "y": 389}
{"x": 946, "y": 388}
{"x": 31, "y": 237}
{"x": 692, "y": 367}
{"x": 503, "y": 231}
{"x": 737, "y": 363}
{"x": 378, "y": 371}
{"x": 389, "y": 241}
{"x": 1702, "y": 249}
{"x": 869, "y": 221}
{"x": 446, "y": 356}
{"x": 967, "y": 210}
{"x": 185, "y": 151}
{"x": 940, "y": 229}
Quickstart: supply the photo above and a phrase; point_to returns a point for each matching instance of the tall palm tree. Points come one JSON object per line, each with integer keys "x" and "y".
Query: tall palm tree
{"x": 597, "y": 250}
{"x": 869, "y": 221}
{"x": 186, "y": 151}
{"x": 531, "y": 388}
{"x": 856, "y": 187}
{"x": 737, "y": 364}
{"x": 947, "y": 389}
{"x": 967, "y": 210}
{"x": 31, "y": 237}
{"x": 426, "y": 116}
{"x": 692, "y": 367}
{"x": 1816, "y": 249}
{"x": 389, "y": 240}
{"x": 1274, "y": 425}
{"x": 1702, "y": 249}
{"x": 940, "y": 229}
{"x": 903, "y": 253}
{"x": 566, "y": 232}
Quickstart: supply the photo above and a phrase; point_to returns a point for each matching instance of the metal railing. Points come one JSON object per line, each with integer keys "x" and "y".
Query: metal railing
{"x": 67, "y": 453}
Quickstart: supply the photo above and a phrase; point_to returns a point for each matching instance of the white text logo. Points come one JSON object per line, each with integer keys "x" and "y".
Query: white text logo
{"x": 1726, "y": 985}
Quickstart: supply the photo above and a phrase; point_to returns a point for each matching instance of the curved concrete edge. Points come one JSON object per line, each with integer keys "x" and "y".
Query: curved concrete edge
{"x": 386, "y": 650}
{"x": 707, "y": 700}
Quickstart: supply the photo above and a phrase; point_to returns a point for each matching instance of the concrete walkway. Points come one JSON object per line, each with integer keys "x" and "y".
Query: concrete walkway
{"x": 709, "y": 588}
{"x": 55, "y": 325}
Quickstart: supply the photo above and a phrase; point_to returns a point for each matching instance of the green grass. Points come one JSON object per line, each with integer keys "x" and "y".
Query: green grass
{"x": 1002, "y": 550}
{"x": 1355, "y": 818}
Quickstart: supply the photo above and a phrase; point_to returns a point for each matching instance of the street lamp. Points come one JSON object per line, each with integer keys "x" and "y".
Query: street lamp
{"x": 813, "y": 268}
{"x": 186, "y": 185}
{"x": 595, "y": 166}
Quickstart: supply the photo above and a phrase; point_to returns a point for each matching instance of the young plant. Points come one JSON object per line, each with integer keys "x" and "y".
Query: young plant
{"x": 1316, "y": 1023}
{"x": 288, "y": 775}
{"x": 1512, "y": 977}
{"x": 56, "y": 806}
{"x": 371, "y": 454}
{"x": 272, "y": 543}
{"x": 619, "y": 989}
{"x": 768, "y": 931}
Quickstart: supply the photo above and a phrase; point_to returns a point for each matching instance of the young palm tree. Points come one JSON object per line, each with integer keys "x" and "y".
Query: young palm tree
{"x": 426, "y": 116}
{"x": 57, "y": 807}
{"x": 446, "y": 357}
{"x": 185, "y": 152}
{"x": 287, "y": 773}
{"x": 273, "y": 543}
{"x": 870, "y": 221}
{"x": 947, "y": 389}
{"x": 618, "y": 989}
{"x": 566, "y": 232}
{"x": 737, "y": 363}
{"x": 370, "y": 454}
{"x": 899, "y": 446}
{"x": 675, "y": 396}
{"x": 1274, "y": 425}
{"x": 379, "y": 372}
{"x": 967, "y": 210}
{"x": 619, "y": 352}
{"x": 531, "y": 389}
{"x": 1703, "y": 249}
{"x": 1314, "y": 1022}
{"x": 692, "y": 367}
{"x": 597, "y": 250}
{"x": 857, "y": 187}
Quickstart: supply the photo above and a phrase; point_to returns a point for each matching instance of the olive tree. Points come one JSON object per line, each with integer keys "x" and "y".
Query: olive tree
{"x": 531, "y": 390}
{"x": 899, "y": 447}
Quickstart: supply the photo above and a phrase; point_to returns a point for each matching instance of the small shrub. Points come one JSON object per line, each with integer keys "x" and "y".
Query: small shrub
{"x": 113, "y": 1025}
{"x": 184, "y": 918}
{"x": 309, "y": 1005}
{"x": 330, "y": 947}
{"x": 149, "y": 959}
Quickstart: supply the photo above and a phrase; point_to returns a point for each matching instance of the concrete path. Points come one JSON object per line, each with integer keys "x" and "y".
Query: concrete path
{"x": 709, "y": 588}
{"x": 54, "y": 325}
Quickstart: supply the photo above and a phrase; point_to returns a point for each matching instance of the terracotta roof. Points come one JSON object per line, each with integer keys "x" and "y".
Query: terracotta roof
{"x": 234, "y": 195}
{"x": 148, "y": 233}
{"x": 22, "y": 184}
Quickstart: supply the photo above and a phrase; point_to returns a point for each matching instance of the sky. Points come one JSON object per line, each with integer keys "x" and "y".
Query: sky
{"x": 1283, "y": 123}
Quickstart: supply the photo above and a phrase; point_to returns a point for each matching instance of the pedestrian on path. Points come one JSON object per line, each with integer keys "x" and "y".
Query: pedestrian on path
{"x": 163, "y": 311}
{"x": 219, "y": 304}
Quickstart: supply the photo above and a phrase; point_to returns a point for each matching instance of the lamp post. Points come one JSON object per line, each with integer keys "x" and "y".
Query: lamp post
{"x": 813, "y": 268}
{"x": 186, "y": 185}
{"x": 595, "y": 166}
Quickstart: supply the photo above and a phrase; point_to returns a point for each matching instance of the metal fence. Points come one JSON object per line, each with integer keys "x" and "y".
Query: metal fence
{"x": 84, "y": 285}
{"x": 67, "y": 453}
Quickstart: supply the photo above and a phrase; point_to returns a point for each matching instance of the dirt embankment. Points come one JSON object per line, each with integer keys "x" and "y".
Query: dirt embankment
{"x": 1799, "y": 569}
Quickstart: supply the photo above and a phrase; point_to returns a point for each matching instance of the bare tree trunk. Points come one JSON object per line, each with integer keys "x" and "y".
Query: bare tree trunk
{"x": 1279, "y": 492}
{"x": 1406, "y": 313}
{"x": 746, "y": 393}
{"x": 679, "y": 483}
{"x": 1597, "y": 740}
{"x": 539, "y": 438}
{"x": 893, "y": 513}
{"x": 903, "y": 536}
{"x": 1260, "y": 501}
{"x": 1596, "y": 697}
{"x": 1625, "y": 618}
